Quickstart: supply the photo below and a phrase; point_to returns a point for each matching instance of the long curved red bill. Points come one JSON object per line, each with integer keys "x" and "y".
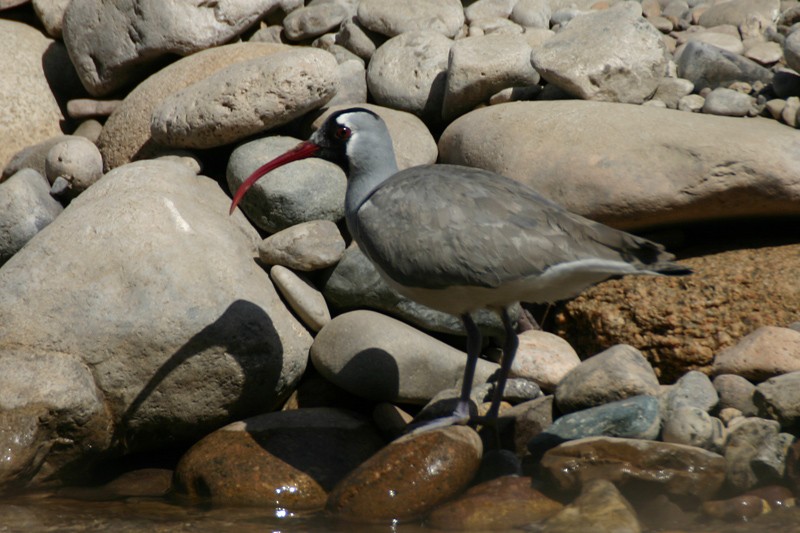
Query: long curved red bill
{"x": 301, "y": 151}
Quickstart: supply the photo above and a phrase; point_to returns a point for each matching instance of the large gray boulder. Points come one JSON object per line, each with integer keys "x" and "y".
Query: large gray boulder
{"x": 634, "y": 166}
{"x": 112, "y": 43}
{"x": 137, "y": 320}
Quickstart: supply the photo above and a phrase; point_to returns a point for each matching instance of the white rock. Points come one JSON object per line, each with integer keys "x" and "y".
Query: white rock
{"x": 543, "y": 358}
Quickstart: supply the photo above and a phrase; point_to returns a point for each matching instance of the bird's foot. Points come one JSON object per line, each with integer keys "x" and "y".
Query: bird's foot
{"x": 459, "y": 417}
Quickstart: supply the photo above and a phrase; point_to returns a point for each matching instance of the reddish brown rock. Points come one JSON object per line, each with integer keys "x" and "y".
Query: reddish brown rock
{"x": 664, "y": 467}
{"x": 500, "y": 504}
{"x": 680, "y": 324}
{"x": 410, "y": 476}
{"x": 600, "y": 508}
{"x": 287, "y": 459}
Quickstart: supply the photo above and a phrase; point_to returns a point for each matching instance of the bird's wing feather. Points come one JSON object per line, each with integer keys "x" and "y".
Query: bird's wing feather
{"x": 481, "y": 229}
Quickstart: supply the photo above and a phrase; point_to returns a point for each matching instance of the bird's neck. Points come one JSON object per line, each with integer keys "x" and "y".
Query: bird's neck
{"x": 365, "y": 174}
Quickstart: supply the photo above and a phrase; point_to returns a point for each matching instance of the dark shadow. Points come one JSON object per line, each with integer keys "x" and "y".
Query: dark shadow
{"x": 62, "y": 79}
{"x": 376, "y": 372}
{"x": 246, "y": 332}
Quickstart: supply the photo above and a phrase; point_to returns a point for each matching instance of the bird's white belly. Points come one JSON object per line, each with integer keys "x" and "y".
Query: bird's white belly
{"x": 560, "y": 282}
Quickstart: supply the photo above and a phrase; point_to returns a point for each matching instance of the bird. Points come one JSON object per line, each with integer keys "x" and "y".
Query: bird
{"x": 459, "y": 239}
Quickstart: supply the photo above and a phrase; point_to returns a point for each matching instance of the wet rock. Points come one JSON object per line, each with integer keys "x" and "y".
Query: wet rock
{"x": 412, "y": 142}
{"x": 245, "y": 98}
{"x": 523, "y": 422}
{"x": 26, "y": 208}
{"x": 410, "y": 476}
{"x": 354, "y": 283}
{"x": 500, "y": 504}
{"x": 612, "y": 55}
{"x": 126, "y": 133}
{"x": 288, "y": 459}
{"x": 112, "y": 45}
{"x": 615, "y": 374}
{"x": 409, "y": 72}
{"x": 678, "y": 188}
{"x": 779, "y": 398}
{"x": 729, "y": 103}
{"x": 543, "y": 358}
{"x": 668, "y": 468}
{"x": 776, "y": 496}
{"x": 705, "y": 65}
{"x": 380, "y": 358}
{"x": 729, "y": 295}
{"x": 766, "y": 352}
{"x": 281, "y": 198}
{"x": 634, "y": 418}
{"x": 481, "y": 66}
{"x": 740, "y": 508}
{"x": 736, "y": 392}
{"x": 29, "y": 111}
{"x": 73, "y": 165}
{"x": 303, "y": 298}
{"x": 600, "y": 508}
{"x": 793, "y": 466}
{"x": 308, "y": 246}
{"x": 142, "y": 483}
{"x": 745, "y": 441}
{"x": 390, "y": 18}
{"x": 187, "y": 349}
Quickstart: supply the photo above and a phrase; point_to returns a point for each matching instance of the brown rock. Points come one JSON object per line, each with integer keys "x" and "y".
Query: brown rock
{"x": 126, "y": 134}
{"x": 681, "y": 323}
{"x": 600, "y": 509}
{"x": 500, "y": 504}
{"x": 410, "y": 476}
{"x": 665, "y": 467}
{"x": 767, "y": 352}
{"x": 287, "y": 459}
{"x": 744, "y": 507}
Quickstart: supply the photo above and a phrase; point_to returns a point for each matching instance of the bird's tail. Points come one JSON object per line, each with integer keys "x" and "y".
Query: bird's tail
{"x": 668, "y": 268}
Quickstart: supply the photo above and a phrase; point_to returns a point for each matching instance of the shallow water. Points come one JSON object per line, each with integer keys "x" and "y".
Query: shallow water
{"x": 52, "y": 513}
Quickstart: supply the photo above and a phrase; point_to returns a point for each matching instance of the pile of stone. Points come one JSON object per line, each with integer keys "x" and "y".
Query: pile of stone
{"x": 138, "y": 316}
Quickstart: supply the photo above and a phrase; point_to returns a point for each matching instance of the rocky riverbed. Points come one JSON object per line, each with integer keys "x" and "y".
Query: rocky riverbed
{"x": 164, "y": 365}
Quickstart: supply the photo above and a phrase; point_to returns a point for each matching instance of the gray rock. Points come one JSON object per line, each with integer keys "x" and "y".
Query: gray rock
{"x": 745, "y": 440}
{"x": 26, "y": 208}
{"x": 706, "y": 65}
{"x": 729, "y": 103}
{"x": 482, "y": 27}
{"x": 677, "y": 188}
{"x": 412, "y": 141}
{"x": 409, "y": 72}
{"x": 766, "y": 352}
{"x": 303, "y": 298}
{"x": 693, "y": 426}
{"x": 791, "y": 50}
{"x": 612, "y": 55}
{"x": 51, "y": 14}
{"x": 779, "y": 398}
{"x": 173, "y": 347}
{"x": 724, "y": 41}
{"x": 359, "y": 40}
{"x": 246, "y": 98}
{"x": 126, "y": 133}
{"x": 283, "y": 197}
{"x": 693, "y": 103}
{"x": 33, "y": 156}
{"x": 383, "y": 359}
{"x": 354, "y": 283}
{"x": 307, "y": 246}
{"x": 693, "y": 389}
{"x": 764, "y": 53}
{"x": 29, "y": 111}
{"x": 481, "y": 66}
{"x": 671, "y": 90}
{"x": 614, "y": 374}
{"x": 352, "y": 88}
{"x": 483, "y": 9}
{"x": 737, "y": 12}
{"x": 316, "y": 19}
{"x": 391, "y": 18}
{"x": 637, "y": 417}
{"x": 90, "y": 107}
{"x": 77, "y": 162}
{"x": 113, "y": 44}
{"x": 769, "y": 463}
{"x": 735, "y": 392}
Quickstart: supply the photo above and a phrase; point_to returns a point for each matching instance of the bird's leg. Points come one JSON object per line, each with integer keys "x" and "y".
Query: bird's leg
{"x": 461, "y": 413}
{"x": 509, "y": 351}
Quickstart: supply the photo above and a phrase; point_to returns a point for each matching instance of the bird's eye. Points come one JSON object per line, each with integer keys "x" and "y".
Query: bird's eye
{"x": 342, "y": 133}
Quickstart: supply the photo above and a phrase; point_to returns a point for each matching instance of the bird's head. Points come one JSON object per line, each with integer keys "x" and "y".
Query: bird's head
{"x": 344, "y": 138}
